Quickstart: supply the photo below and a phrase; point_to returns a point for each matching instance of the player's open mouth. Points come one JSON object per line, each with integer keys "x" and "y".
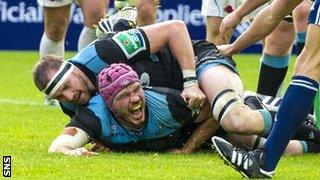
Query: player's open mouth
{"x": 136, "y": 111}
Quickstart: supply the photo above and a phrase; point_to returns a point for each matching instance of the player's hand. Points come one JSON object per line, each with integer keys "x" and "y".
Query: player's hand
{"x": 80, "y": 152}
{"x": 98, "y": 146}
{"x": 226, "y": 50}
{"x": 228, "y": 24}
{"x": 193, "y": 96}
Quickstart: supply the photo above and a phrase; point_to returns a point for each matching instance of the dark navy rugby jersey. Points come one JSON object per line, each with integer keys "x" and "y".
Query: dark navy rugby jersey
{"x": 166, "y": 113}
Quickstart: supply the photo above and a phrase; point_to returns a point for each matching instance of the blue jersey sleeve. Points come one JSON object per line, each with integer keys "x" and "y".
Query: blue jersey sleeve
{"x": 89, "y": 58}
{"x": 93, "y": 118}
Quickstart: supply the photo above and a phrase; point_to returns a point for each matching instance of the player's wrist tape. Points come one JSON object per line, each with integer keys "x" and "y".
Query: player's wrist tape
{"x": 188, "y": 73}
{"x": 59, "y": 77}
{"x": 190, "y": 83}
{"x": 189, "y": 78}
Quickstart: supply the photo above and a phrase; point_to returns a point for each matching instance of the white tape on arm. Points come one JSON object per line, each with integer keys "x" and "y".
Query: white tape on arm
{"x": 66, "y": 140}
{"x": 189, "y": 78}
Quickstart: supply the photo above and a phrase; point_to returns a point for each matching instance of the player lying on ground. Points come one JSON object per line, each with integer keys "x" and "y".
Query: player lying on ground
{"x": 71, "y": 82}
{"x": 149, "y": 120}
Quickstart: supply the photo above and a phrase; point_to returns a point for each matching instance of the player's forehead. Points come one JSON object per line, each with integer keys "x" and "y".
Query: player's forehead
{"x": 58, "y": 79}
{"x": 132, "y": 87}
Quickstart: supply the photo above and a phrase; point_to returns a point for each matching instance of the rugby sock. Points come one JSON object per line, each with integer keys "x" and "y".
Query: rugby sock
{"x": 307, "y": 133}
{"x": 86, "y": 36}
{"x": 294, "y": 108}
{"x": 47, "y": 46}
{"x": 272, "y": 72}
{"x": 310, "y": 147}
{"x": 300, "y": 39}
{"x": 304, "y": 146}
{"x": 267, "y": 120}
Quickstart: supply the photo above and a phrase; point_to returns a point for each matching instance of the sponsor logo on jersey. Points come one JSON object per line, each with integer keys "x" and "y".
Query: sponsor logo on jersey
{"x": 131, "y": 42}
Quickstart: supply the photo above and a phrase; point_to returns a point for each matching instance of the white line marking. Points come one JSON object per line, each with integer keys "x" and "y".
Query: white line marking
{"x": 19, "y": 102}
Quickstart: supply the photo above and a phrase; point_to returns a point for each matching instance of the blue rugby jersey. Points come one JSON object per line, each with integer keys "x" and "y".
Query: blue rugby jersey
{"x": 166, "y": 114}
{"x": 131, "y": 47}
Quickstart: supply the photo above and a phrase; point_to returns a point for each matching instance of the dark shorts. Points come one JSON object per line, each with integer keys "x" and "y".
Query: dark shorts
{"x": 208, "y": 56}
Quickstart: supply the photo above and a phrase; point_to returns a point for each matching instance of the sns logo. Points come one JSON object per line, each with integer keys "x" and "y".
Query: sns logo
{"x": 6, "y": 164}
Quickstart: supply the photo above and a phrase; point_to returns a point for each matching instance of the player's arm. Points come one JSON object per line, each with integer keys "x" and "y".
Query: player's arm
{"x": 70, "y": 142}
{"x": 203, "y": 132}
{"x": 247, "y": 6}
{"x": 265, "y": 22}
{"x": 175, "y": 35}
{"x": 234, "y": 18}
{"x": 205, "y": 129}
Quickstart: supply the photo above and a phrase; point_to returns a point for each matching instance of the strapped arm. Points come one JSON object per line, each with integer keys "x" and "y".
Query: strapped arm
{"x": 70, "y": 142}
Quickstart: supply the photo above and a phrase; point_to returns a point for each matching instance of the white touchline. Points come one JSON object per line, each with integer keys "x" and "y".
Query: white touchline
{"x": 19, "y": 102}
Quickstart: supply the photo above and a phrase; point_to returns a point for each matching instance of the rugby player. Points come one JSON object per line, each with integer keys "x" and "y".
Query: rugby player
{"x": 297, "y": 101}
{"x": 277, "y": 46}
{"x": 153, "y": 119}
{"x": 56, "y": 20}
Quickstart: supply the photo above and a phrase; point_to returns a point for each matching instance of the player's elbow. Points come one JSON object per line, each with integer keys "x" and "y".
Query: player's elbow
{"x": 53, "y": 148}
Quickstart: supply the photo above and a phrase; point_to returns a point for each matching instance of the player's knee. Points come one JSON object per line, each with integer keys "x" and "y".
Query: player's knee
{"x": 93, "y": 17}
{"x": 213, "y": 31}
{"x": 147, "y": 12}
{"x": 224, "y": 103}
{"x": 56, "y": 31}
{"x": 145, "y": 6}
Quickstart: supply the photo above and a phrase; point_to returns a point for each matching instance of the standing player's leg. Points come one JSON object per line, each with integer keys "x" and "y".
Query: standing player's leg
{"x": 294, "y": 108}
{"x": 303, "y": 85}
{"x": 300, "y": 20}
{"x": 300, "y": 17}
{"x": 56, "y": 20}
{"x": 212, "y": 31}
{"x": 275, "y": 58}
{"x": 93, "y": 11}
{"x": 214, "y": 11}
{"x": 147, "y": 11}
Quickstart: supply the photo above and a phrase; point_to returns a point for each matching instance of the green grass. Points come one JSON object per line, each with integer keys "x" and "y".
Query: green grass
{"x": 28, "y": 127}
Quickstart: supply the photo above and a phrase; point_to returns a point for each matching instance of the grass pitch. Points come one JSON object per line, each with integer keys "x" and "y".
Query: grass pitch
{"x": 28, "y": 127}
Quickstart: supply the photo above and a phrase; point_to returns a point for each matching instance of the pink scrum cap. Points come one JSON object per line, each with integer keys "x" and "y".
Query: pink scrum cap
{"x": 113, "y": 79}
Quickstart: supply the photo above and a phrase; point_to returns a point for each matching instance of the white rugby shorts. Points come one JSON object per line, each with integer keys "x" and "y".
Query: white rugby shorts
{"x": 54, "y": 3}
{"x": 221, "y": 8}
